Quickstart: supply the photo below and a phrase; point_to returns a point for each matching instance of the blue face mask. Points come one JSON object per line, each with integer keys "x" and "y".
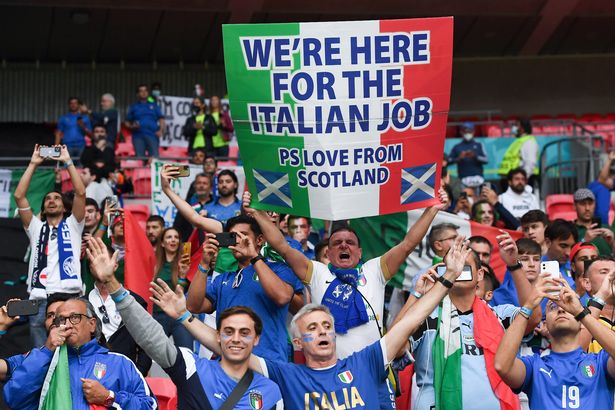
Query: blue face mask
{"x": 156, "y": 93}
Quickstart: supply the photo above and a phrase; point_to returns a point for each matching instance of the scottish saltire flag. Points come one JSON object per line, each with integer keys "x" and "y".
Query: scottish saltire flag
{"x": 340, "y": 120}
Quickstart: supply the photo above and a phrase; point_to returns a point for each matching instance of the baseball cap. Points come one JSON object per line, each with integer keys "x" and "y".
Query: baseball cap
{"x": 579, "y": 246}
{"x": 582, "y": 194}
{"x": 468, "y": 126}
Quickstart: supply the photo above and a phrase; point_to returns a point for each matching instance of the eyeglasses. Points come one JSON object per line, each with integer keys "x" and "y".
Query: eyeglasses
{"x": 75, "y": 319}
{"x": 54, "y": 233}
{"x": 446, "y": 239}
{"x": 105, "y": 319}
{"x": 238, "y": 279}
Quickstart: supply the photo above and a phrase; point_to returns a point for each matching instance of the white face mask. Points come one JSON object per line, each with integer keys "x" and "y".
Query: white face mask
{"x": 514, "y": 130}
{"x": 467, "y": 136}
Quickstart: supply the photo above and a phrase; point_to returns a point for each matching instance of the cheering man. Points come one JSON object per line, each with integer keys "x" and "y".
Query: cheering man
{"x": 567, "y": 377}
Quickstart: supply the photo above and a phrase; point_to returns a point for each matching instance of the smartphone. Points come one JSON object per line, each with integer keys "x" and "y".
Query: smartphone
{"x": 49, "y": 152}
{"x": 440, "y": 270}
{"x": 597, "y": 220}
{"x": 187, "y": 248}
{"x": 111, "y": 201}
{"x": 466, "y": 274}
{"x": 22, "y": 307}
{"x": 184, "y": 171}
{"x": 552, "y": 268}
{"x": 226, "y": 239}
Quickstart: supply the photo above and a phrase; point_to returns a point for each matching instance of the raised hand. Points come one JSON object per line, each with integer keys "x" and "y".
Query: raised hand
{"x": 605, "y": 292}
{"x": 167, "y": 174}
{"x": 508, "y": 248}
{"x": 210, "y": 251}
{"x": 567, "y": 298}
{"x": 101, "y": 265}
{"x": 64, "y": 155}
{"x": 5, "y": 320}
{"x": 57, "y": 337}
{"x": 246, "y": 200}
{"x": 444, "y": 199}
{"x": 172, "y": 303}
{"x": 544, "y": 287}
{"x": 426, "y": 281}
{"x": 490, "y": 195}
{"x": 36, "y": 156}
{"x": 184, "y": 265}
{"x": 244, "y": 246}
{"x": 456, "y": 258}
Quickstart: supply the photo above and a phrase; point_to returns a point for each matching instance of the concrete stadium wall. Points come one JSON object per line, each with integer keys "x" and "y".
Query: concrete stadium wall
{"x": 516, "y": 85}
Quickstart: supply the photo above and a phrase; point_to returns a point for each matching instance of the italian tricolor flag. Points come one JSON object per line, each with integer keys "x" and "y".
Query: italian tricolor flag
{"x": 379, "y": 234}
{"x": 340, "y": 120}
{"x": 42, "y": 182}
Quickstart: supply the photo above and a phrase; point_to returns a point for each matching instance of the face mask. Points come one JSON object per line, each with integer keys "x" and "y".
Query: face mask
{"x": 467, "y": 136}
{"x": 156, "y": 93}
{"x": 514, "y": 130}
{"x": 195, "y": 109}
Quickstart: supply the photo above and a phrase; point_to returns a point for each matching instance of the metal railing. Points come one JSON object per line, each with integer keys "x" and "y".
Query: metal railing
{"x": 569, "y": 163}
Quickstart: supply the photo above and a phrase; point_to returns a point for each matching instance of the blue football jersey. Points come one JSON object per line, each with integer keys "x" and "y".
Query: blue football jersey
{"x": 571, "y": 380}
{"x": 352, "y": 383}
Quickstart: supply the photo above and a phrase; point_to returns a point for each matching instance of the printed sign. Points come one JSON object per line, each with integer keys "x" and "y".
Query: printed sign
{"x": 341, "y": 120}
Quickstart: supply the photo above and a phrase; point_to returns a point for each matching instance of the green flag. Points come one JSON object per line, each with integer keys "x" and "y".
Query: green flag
{"x": 42, "y": 182}
{"x": 56, "y": 387}
{"x": 447, "y": 358}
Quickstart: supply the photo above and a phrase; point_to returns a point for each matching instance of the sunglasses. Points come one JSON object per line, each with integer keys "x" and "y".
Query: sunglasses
{"x": 105, "y": 318}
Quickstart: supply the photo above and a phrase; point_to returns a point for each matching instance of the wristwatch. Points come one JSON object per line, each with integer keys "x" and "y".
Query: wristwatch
{"x": 582, "y": 314}
{"x": 256, "y": 259}
{"x": 514, "y": 267}
{"x": 110, "y": 399}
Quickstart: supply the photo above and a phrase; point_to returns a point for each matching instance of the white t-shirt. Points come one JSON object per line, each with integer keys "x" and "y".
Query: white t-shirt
{"x": 115, "y": 319}
{"x": 98, "y": 191}
{"x": 50, "y": 276}
{"x": 519, "y": 204}
{"x": 371, "y": 284}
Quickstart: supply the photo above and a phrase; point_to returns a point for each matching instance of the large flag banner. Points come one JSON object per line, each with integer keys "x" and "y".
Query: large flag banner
{"x": 162, "y": 205}
{"x": 42, "y": 182}
{"x": 340, "y": 120}
{"x": 379, "y": 234}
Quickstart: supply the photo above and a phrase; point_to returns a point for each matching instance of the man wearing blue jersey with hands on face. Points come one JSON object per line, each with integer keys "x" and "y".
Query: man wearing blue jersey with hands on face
{"x": 566, "y": 378}
{"x": 326, "y": 381}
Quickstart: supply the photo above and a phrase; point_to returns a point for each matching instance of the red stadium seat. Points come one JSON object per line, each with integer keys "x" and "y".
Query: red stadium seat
{"x": 165, "y": 391}
{"x": 557, "y": 203}
{"x": 67, "y": 183}
{"x": 142, "y": 181}
{"x": 174, "y": 152}
{"x": 124, "y": 149}
{"x": 140, "y": 211}
{"x": 565, "y": 215}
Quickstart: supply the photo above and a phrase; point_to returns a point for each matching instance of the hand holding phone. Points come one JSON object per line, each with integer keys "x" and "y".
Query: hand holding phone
{"x": 552, "y": 268}
{"x": 50, "y": 152}
{"x": 22, "y": 307}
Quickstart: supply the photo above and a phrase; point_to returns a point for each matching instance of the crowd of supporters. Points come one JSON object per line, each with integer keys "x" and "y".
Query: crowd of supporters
{"x": 229, "y": 315}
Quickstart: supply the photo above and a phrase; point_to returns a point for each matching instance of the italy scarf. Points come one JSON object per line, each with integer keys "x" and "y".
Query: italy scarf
{"x": 488, "y": 333}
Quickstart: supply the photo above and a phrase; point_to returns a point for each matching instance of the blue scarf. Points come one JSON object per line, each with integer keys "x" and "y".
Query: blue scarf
{"x": 65, "y": 256}
{"x": 344, "y": 299}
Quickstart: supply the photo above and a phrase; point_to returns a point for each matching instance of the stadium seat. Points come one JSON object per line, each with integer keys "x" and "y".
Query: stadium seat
{"x": 124, "y": 149}
{"x": 565, "y": 215}
{"x": 559, "y": 203}
{"x": 142, "y": 181}
{"x": 174, "y": 152}
{"x": 165, "y": 391}
{"x": 140, "y": 211}
{"x": 233, "y": 152}
{"x": 67, "y": 183}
